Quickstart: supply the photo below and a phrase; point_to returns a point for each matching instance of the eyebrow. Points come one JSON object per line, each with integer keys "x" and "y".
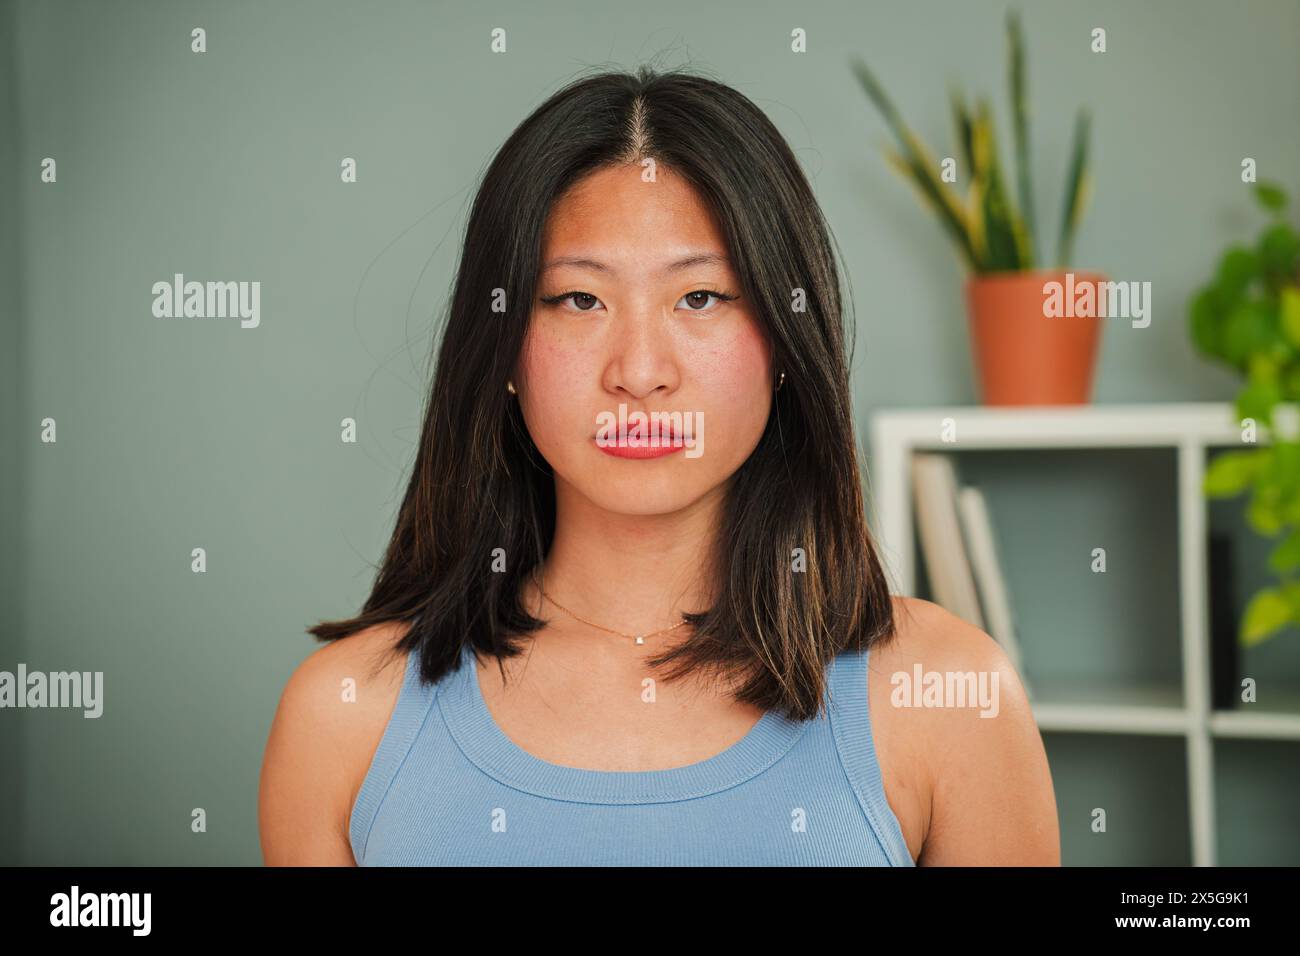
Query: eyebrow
{"x": 706, "y": 258}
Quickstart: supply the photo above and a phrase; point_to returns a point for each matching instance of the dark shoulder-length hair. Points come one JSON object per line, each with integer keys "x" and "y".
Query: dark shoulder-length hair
{"x": 798, "y": 579}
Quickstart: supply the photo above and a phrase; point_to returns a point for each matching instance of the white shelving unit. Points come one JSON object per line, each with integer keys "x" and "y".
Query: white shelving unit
{"x": 1191, "y": 430}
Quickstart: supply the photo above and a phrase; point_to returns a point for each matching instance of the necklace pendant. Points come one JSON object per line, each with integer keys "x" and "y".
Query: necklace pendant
{"x": 640, "y": 639}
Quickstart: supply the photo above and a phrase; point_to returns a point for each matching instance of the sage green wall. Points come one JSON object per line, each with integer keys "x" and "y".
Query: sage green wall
{"x": 13, "y": 448}
{"x": 176, "y": 434}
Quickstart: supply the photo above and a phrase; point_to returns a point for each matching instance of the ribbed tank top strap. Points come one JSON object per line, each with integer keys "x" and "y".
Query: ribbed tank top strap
{"x": 851, "y": 724}
{"x": 414, "y": 703}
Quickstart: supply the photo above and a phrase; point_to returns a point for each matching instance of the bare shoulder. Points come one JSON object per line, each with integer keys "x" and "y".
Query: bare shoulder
{"x": 957, "y": 742}
{"x": 927, "y": 634}
{"x": 330, "y": 719}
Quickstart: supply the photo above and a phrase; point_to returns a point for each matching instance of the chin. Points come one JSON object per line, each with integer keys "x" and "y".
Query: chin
{"x": 673, "y": 489}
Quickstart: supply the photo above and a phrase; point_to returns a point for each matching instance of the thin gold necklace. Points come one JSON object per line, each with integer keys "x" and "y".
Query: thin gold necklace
{"x": 637, "y": 638}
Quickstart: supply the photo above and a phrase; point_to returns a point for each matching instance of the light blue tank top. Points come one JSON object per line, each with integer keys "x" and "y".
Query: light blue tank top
{"x": 447, "y": 787}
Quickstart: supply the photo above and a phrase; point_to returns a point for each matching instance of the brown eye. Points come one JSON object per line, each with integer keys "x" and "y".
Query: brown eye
{"x": 582, "y": 301}
{"x": 698, "y": 301}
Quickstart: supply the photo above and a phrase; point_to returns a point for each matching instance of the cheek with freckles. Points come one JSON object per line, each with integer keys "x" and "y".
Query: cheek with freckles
{"x": 735, "y": 376}
{"x": 552, "y": 399}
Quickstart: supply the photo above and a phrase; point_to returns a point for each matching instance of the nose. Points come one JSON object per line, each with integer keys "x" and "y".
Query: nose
{"x": 642, "y": 357}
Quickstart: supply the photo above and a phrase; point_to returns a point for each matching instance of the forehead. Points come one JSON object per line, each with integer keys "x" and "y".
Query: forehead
{"x": 614, "y": 211}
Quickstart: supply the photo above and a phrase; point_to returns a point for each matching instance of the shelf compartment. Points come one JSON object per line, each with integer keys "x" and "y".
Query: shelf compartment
{"x": 1256, "y": 782}
{"x": 1140, "y": 781}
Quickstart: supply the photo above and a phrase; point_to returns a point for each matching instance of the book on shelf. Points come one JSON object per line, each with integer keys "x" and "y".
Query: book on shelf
{"x": 946, "y": 563}
{"x": 960, "y": 553}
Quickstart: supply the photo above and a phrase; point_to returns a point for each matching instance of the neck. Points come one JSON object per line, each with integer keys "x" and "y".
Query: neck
{"x": 636, "y": 574}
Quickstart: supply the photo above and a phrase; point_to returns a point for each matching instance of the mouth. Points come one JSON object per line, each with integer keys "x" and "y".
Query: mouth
{"x": 640, "y": 451}
{"x": 640, "y": 443}
{"x": 649, "y": 435}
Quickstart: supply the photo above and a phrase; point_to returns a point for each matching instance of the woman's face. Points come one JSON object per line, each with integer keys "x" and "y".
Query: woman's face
{"x": 632, "y": 311}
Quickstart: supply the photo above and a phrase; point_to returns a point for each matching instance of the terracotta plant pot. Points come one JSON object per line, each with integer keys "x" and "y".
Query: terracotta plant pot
{"x": 1024, "y": 354}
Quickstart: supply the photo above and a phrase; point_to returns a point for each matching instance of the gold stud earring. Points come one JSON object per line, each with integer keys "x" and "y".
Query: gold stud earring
{"x": 780, "y": 382}
{"x": 510, "y": 387}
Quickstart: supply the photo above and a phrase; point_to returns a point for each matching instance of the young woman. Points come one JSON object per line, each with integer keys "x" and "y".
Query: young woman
{"x": 597, "y": 642}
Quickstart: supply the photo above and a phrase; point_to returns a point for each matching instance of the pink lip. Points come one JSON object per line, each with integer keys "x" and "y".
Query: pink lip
{"x": 665, "y": 447}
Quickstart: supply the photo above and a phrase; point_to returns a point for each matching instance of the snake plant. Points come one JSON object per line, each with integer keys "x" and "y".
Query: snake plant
{"x": 993, "y": 231}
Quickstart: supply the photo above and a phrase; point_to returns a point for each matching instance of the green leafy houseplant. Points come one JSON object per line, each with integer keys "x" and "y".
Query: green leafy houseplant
{"x": 990, "y": 231}
{"x": 1248, "y": 317}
